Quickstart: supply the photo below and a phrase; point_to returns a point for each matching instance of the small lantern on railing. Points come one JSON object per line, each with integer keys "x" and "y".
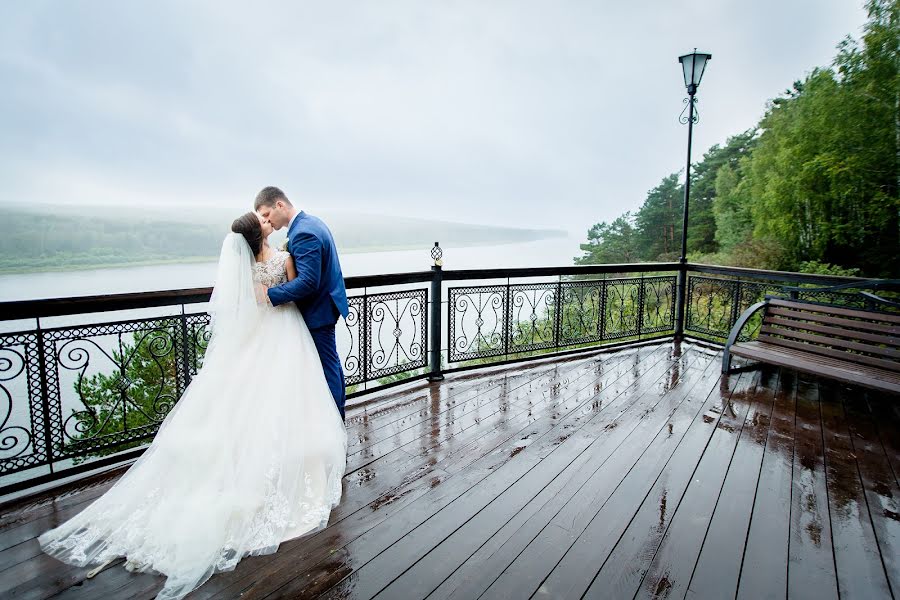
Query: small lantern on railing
{"x": 436, "y": 254}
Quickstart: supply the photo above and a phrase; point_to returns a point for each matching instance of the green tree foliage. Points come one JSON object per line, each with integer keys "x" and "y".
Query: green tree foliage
{"x": 815, "y": 183}
{"x": 611, "y": 243}
{"x": 819, "y": 178}
{"x": 820, "y": 268}
{"x": 60, "y": 241}
{"x": 731, "y": 209}
{"x": 703, "y": 223}
{"x": 658, "y": 221}
{"x": 134, "y": 398}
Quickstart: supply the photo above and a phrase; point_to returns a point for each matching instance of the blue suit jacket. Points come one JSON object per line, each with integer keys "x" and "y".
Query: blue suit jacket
{"x": 318, "y": 289}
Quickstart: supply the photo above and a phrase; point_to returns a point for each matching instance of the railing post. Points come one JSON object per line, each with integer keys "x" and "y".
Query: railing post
{"x": 640, "y": 320}
{"x": 437, "y": 278}
{"x": 186, "y": 354}
{"x": 735, "y": 304}
{"x": 557, "y": 314}
{"x": 507, "y": 318}
{"x": 601, "y": 326}
{"x": 680, "y": 301}
{"x": 364, "y": 357}
{"x": 45, "y": 400}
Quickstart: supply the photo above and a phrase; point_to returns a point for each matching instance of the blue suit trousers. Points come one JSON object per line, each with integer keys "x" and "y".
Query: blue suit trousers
{"x": 326, "y": 344}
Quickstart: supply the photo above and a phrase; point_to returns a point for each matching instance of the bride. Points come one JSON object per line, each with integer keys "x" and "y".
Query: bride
{"x": 251, "y": 455}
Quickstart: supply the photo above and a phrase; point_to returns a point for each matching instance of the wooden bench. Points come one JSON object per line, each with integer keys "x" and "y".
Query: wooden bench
{"x": 854, "y": 346}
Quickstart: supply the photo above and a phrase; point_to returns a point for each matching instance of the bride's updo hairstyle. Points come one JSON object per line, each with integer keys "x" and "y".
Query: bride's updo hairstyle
{"x": 248, "y": 226}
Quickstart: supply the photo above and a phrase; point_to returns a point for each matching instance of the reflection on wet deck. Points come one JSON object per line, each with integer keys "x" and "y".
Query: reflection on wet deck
{"x": 636, "y": 473}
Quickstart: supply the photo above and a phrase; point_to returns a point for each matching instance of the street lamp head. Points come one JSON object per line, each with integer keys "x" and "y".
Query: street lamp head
{"x": 693, "y": 65}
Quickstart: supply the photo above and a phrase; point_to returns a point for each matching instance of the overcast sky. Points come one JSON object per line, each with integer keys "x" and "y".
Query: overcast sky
{"x": 544, "y": 114}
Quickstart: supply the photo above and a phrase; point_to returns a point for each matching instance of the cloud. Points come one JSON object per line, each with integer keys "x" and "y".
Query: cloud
{"x": 526, "y": 113}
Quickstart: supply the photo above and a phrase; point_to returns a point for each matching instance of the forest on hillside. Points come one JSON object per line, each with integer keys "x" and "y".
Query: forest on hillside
{"x": 813, "y": 187}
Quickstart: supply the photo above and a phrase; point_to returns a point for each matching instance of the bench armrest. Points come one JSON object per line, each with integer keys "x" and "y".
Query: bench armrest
{"x": 736, "y": 331}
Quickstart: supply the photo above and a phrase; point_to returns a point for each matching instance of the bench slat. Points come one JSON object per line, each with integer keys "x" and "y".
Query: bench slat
{"x": 836, "y": 310}
{"x": 825, "y": 360}
{"x": 837, "y": 331}
{"x": 831, "y": 342}
{"x": 814, "y": 349}
{"x": 818, "y": 365}
{"x": 838, "y": 321}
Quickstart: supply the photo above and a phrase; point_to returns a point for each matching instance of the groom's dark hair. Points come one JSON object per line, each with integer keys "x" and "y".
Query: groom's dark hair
{"x": 268, "y": 196}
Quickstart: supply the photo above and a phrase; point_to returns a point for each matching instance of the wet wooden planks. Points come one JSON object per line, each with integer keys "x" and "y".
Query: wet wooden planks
{"x": 638, "y": 473}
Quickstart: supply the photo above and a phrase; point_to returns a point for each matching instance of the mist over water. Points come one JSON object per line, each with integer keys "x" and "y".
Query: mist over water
{"x": 26, "y": 286}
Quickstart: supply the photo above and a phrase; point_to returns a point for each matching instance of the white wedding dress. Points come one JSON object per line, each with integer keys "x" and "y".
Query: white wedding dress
{"x": 252, "y": 455}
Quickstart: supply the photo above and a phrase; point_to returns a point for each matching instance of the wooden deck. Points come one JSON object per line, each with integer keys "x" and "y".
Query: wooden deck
{"x": 636, "y": 473}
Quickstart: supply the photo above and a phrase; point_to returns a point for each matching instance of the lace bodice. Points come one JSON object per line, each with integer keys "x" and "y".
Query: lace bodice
{"x": 271, "y": 272}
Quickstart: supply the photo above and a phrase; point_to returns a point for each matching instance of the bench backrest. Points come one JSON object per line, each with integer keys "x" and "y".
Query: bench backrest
{"x": 860, "y": 336}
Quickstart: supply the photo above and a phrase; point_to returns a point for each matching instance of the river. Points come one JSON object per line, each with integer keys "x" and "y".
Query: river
{"x": 27, "y": 286}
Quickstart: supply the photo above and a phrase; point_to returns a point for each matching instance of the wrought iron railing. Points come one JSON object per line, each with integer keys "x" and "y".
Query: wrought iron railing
{"x": 716, "y": 296}
{"x": 86, "y": 382}
{"x": 515, "y": 319}
{"x": 388, "y": 335}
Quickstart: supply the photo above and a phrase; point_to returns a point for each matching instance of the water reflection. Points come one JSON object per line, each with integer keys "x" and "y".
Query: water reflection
{"x": 674, "y": 376}
{"x": 434, "y": 411}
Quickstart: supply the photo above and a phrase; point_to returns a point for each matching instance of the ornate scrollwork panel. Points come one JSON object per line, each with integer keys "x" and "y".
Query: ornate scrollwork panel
{"x": 532, "y": 313}
{"x": 22, "y": 424}
{"x": 622, "y": 308}
{"x": 199, "y": 334}
{"x": 111, "y": 385}
{"x": 397, "y": 334}
{"x": 714, "y": 305}
{"x": 658, "y": 314}
{"x": 711, "y": 305}
{"x": 581, "y": 312}
{"x": 351, "y": 342}
{"x": 751, "y": 292}
{"x": 478, "y": 322}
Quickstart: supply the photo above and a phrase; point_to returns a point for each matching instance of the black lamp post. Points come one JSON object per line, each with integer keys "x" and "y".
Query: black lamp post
{"x": 692, "y": 65}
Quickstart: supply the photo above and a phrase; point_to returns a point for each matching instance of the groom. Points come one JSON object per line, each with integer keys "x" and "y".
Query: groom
{"x": 318, "y": 288}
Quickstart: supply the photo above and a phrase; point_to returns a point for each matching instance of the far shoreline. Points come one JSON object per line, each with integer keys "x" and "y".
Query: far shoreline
{"x": 212, "y": 259}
